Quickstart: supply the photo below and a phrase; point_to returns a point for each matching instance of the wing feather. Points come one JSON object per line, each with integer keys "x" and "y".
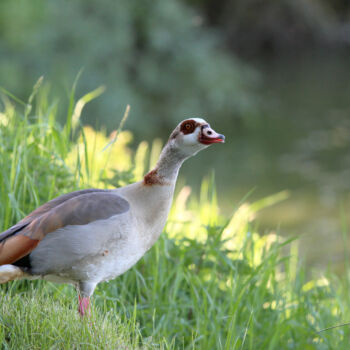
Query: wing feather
{"x": 79, "y": 209}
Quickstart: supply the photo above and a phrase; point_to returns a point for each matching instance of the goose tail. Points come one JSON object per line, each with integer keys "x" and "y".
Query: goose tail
{"x": 10, "y": 273}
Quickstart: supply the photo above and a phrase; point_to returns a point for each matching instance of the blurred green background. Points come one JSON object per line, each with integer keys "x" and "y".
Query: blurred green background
{"x": 273, "y": 76}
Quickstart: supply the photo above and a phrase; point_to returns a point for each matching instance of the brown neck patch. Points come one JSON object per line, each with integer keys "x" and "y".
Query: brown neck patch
{"x": 152, "y": 178}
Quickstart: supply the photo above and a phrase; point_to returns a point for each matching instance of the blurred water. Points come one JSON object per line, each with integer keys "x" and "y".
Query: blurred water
{"x": 298, "y": 140}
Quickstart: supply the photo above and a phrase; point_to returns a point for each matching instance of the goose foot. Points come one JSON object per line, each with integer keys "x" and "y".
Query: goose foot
{"x": 84, "y": 306}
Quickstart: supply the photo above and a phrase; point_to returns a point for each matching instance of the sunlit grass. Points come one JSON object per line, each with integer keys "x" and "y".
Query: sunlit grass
{"x": 44, "y": 318}
{"x": 210, "y": 282}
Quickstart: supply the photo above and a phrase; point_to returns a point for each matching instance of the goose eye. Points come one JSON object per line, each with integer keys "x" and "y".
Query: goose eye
{"x": 188, "y": 126}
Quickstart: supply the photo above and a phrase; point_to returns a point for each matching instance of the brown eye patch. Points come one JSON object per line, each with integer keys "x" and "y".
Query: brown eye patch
{"x": 188, "y": 126}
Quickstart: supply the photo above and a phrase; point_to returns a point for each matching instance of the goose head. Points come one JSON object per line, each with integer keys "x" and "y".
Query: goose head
{"x": 192, "y": 135}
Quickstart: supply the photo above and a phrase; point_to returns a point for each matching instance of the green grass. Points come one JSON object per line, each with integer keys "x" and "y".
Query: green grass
{"x": 42, "y": 317}
{"x": 210, "y": 282}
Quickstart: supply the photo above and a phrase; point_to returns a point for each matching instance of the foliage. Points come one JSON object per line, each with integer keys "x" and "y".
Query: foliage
{"x": 209, "y": 282}
{"x": 151, "y": 54}
{"x": 47, "y": 319}
{"x": 272, "y": 26}
{"x": 33, "y": 148}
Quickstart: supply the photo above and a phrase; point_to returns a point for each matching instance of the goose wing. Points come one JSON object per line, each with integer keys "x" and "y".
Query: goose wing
{"x": 76, "y": 208}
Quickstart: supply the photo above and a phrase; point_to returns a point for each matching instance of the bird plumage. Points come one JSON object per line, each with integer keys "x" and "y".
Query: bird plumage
{"x": 90, "y": 236}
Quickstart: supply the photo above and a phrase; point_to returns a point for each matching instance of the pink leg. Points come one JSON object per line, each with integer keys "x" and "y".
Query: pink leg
{"x": 84, "y": 305}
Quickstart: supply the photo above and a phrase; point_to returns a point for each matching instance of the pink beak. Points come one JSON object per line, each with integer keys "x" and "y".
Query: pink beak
{"x": 209, "y": 136}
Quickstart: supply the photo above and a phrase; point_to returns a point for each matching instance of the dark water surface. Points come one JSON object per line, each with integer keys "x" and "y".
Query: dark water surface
{"x": 299, "y": 140}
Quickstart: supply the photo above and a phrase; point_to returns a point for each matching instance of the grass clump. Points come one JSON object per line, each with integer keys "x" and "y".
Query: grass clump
{"x": 46, "y": 319}
{"x": 210, "y": 282}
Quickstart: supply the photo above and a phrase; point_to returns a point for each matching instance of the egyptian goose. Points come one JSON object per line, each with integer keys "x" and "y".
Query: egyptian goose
{"x": 90, "y": 236}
